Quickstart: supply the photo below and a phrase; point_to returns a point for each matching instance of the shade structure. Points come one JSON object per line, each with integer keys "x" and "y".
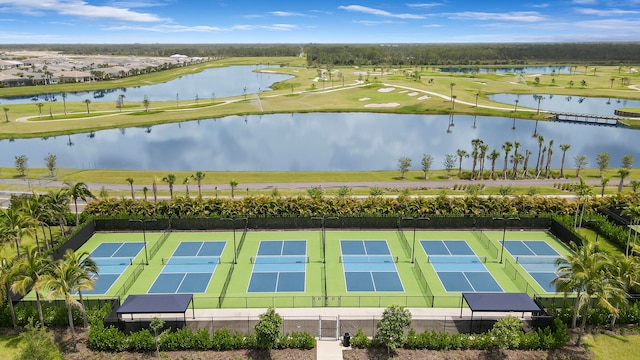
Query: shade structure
{"x": 500, "y": 302}
{"x": 157, "y": 304}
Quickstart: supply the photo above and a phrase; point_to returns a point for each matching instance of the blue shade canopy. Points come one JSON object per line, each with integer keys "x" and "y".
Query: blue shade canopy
{"x": 155, "y": 304}
{"x": 500, "y": 302}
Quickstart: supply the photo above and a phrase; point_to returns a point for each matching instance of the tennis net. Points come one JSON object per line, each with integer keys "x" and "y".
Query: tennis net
{"x": 113, "y": 261}
{"x": 538, "y": 259}
{"x": 158, "y": 244}
{"x": 280, "y": 259}
{"x": 191, "y": 260}
{"x": 456, "y": 259}
{"x": 368, "y": 259}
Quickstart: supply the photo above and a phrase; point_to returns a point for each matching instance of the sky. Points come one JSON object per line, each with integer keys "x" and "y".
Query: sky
{"x": 327, "y": 21}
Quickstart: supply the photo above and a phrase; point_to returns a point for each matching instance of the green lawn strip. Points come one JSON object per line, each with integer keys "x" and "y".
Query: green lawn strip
{"x": 9, "y": 346}
{"x": 613, "y": 347}
{"x": 237, "y": 294}
{"x": 604, "y": 243}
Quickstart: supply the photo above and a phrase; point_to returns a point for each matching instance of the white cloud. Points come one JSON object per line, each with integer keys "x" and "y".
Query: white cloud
{"x": 373, "y": 23}
{"x": 427, "y": 5}
{"x": 285, "y": 13}
{"x": 585, "y": 2}
{"x": 77, "y": 8}
{"x": 524, "y": 16}
{"x": 279, "y": 27}
{"x": 378, "y": 12}
{"x": 201, "y": 28}
{"x": 609, "y": 12}
{"x": 540, "y": 6}
{"x": 137, "y": 4}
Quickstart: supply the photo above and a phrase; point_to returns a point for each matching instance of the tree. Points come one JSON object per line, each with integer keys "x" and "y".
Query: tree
{"x": 582, "y": 190}
{"x": 603, "y": 182}
{"x": 15, "y": 225}
{"x": 185, "y": 182}
{"x": 580, "y": 161}
{"x": 475, "y": 153}
{"x": 199, "y": 176}
{"x": 29, "y": 271}
{"x": 130, "y": 181}
{"x": 267, "y": 329}
{"x": 121, "y": 101}
{"x": 170, "y": 179}
{"x": 7, "y": 276}
{"x": 21, "y": 164}
{"x": 87, "y": 102}
{"x": 233, "y": 185}
{"x": 635, "y": 184}
{"x": 64, "y": 101}
{"x": 146, "y": 104}
{"x": 627, "y": 161}
{"x": 50, "y": 161}
{"x": 493, "y": 156}
{"x": 57, "y": 201}
{"x": 564, "y": 148}
{"x": 156, "y": 325}
{"x": 483, "y": 153}
{"x": 461, "y": 154}
{"x": 36, "y": 344}
{"x": 40, "y": 105}
{"x": 395, "y": 320}
{"x": 623, "y": 173}
{"x": 449, "y": 163}
{"x": 154, "y": 188}
{"x": 86, "y": 270}
{"x": 145, "y": 190}
{"x": 516, "y": 159}
{"x": 627, "y": 271}
{"x": 427, "y": 160}
{"x": 77, "y": 191}
{"x": 6, "y": 113}
{"x": 538, "y": 163}
{"x": 507, "y": 148}
{"x": 602, "y": 159}
{"x": 404, "y": 163}
{"x": 547, "y": 169}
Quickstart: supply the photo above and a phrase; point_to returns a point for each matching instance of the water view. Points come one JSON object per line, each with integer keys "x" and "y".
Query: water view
{"x": 567, "y": 103}
{"x": 217, "y": 82}
{"x": 313, "y": 142}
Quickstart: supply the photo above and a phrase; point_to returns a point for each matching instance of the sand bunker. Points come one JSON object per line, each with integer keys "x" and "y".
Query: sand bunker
{"x": 387, "y": 105}
{"x": 425, "y": 97}
{"x": 364, "y": 99}
{"x": 385, "y": 90}
{"x": 413, "y": 93}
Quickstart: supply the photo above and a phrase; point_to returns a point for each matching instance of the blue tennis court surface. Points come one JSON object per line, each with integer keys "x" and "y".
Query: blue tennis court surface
{"x": 369, "y": 266}
{"x": 279, "y": 266}
{"x": 538, "y": 258}
{"x": 458, "y": 267}
{"x": 189, "y": 269}
{"x": 112, "y": 259}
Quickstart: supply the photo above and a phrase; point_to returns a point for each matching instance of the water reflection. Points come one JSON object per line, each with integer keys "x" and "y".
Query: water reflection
{"x": 569, "y": 104}
{"x": 312, "y": 142}
{"x": 220, "y": 82}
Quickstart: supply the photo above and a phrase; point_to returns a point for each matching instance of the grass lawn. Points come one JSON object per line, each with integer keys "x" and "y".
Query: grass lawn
{"x": 613, "y": 347}
{"x": 9, "y": 346}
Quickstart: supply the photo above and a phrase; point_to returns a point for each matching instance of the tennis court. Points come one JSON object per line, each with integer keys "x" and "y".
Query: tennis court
{"x": 537, "y": 258}
{"x": 369, "y": 266}
{"x": 189, "y": 269}
{"x": 279, "y": 266}
{"x": 112, "y": 259}
{"x": 458, "y": 266}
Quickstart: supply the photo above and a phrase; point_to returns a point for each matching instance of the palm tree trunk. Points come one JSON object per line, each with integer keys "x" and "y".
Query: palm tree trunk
{"x": 13, "y": 312}
{"x": 44, "y": 237}
{"x": 17, "y": 240}
{"x": 584, "y": 324}
{"x": 39, "y": 305}
{"x": 37, "y": 241}
{"x": 199, "y": 189}
{"x": 574, "y": 319}
{"x": 71, "y": 327}
{"x": 75, "y": 203}
{"x": 85, "y": 323}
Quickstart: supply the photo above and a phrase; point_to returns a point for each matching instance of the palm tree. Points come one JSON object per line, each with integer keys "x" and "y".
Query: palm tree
{"x": 233, "y": 185}
{"x": 16, "y": 224}
{"x": 633, "y": 212}
{"x": 516, "y": 159}
{"x": 130, "y": 181}
{"x": 627, "y": 271}
{"x": 40, "y": 105}
{"x": 547, "y": 168}
{"x": 121, "y": 101}
{"x": 582, "y": 190}
{"x": 603, "y": 182}
{"x": 185, "y": 182}
{"x": 64, "y": 101}
{"x": 77, "y": 191}
{"x": 146, "y": 104}
{"x": 87, "y": 102}
{"x": 507, "y": 148}
{"x": 170, "y": 179}
{"x": 493, "y": 156}
{"x": 29, "y": 271}
{"x": 86, "y": 270}
{"x": 154, "y": 188}
{"x": 623, "y": 174}
{"x": 145, "y": 190}
{"x": 57, "y": 201}
{"x": 461, "y": 154}
{"x": 525, "y": 164}
{"x": 540, "y": 143}
{"x": 6, "y": 113}
{"x": 198, "y": 176}
{"x": 483, "y": 154}
{"x": 34, "y": 208}
{"x": 564, "y": 148}
{"x": 7, "y": 276}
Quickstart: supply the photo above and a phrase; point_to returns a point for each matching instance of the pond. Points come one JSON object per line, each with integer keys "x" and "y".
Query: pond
{"x": 216, "y": 82}
{"x": 313, "y": 142}
{"x": 567, "y": 103}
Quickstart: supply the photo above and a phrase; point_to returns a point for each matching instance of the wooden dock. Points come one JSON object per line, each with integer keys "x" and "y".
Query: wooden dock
{"x": 587, "y": 119}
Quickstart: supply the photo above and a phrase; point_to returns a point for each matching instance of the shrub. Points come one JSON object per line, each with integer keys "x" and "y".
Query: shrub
{"x": 106, "y": 339}
{"x": 360, "y": 340}
{"x": 506, "y": 332}
{"x": 376, "y": 191}
{"x": 315, "y": 192}
{"x": 141, "y": 341}
{"x": 222, "y": 340}
{"x": 203, "y": 341}
{"x": 344, "y": 191}
{"x": 36, "y": 344}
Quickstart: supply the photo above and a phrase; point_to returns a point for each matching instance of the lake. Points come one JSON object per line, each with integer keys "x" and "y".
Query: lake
{"x": 567, "y": 103}
{"x": 313, "y": 142}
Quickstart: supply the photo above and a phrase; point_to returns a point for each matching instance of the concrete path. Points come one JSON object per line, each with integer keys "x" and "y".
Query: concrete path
{"x": 329, "y": 350}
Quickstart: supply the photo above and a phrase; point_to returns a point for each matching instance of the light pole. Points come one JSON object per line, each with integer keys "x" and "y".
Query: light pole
{"x": 144, "y": 236}
{"x": 593, "y": 221}
{"x": 415, "y": 224}
{"x": 323, "y": 221}
{"x": 233, "y": 223}
{"x": 504, "y": 231}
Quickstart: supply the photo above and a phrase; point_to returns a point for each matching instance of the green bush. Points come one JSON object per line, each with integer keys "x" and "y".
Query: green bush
{"x": 506, "y": 332}
{"x": 141, "y": 341}
{"x": 181, "y": 339}
{"x": 106, "y": 339}
{"x": 360, "y": 340}
{"x": 222, "y": 340}
{"x": 36, "y": 344}
{"x": 203, "y": 341}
